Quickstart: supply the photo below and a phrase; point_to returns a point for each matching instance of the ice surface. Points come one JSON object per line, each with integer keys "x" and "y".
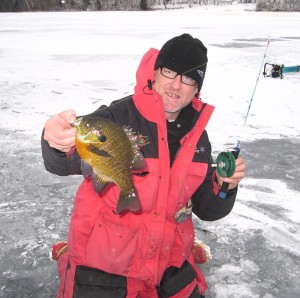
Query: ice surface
{"x": 53, "y": 61}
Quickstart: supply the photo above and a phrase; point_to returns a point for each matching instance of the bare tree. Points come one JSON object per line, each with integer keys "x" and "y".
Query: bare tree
{"x": 165, "y": 2}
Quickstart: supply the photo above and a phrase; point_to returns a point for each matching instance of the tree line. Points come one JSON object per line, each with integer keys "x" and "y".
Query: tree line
{"x": 69, "y": 5}
{"x": 58, "y": 5}
{"x": 278, "y": 5}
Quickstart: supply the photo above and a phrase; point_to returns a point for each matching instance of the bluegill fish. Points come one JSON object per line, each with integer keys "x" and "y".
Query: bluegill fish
{"x": 108, "y": 153}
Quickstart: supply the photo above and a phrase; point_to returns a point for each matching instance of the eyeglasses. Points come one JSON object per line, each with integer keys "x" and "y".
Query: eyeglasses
{"x": 170, "y": 74}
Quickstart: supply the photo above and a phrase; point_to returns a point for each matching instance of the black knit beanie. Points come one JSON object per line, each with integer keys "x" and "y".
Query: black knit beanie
{"x": 185, "y": 55}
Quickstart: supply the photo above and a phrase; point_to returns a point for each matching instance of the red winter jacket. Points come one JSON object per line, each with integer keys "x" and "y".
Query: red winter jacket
{"x": 142, "y": 246}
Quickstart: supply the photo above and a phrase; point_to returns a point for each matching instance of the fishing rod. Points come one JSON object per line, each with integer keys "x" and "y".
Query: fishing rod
{"x": 257, "y": 79}
{"x": 226, "y": 160}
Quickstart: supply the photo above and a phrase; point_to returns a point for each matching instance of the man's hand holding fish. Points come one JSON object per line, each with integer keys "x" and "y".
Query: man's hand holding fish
{"x": 58, "y": 131}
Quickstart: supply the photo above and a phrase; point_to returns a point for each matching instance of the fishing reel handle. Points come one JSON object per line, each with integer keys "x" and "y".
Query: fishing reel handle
{"x": 223, "y": 191}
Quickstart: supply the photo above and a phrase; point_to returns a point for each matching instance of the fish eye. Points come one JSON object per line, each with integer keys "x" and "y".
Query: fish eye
{"x": 102, "y": 138}
{"x": 87, "y": 124}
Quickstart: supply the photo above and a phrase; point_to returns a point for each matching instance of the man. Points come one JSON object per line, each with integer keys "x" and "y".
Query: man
{"x": 149, "y": 253}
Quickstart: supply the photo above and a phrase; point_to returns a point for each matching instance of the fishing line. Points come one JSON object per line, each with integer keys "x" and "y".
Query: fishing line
{"x": 193, "y": 69}
{"x": 225, "y": 161}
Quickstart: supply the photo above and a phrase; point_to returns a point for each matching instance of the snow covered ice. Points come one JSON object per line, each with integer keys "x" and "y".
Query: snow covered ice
{"x": 53, "y": 61}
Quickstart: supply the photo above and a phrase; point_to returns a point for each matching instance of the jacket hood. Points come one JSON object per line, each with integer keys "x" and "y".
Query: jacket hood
{"x": 146, "y": 100}
{"x": 145, "y": 70}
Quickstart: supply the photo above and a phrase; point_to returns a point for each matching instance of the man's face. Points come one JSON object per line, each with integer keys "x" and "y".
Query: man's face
{"x": 174, "y": 93}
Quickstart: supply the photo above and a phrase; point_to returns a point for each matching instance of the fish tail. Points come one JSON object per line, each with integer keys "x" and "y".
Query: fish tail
{"x": 128, "y": 201}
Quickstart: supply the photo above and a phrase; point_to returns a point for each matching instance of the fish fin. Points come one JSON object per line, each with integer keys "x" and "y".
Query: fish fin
{"x": 99, "y": 185}
{"x": 86, "y": 169}
{"x": 137, "y": 141}
{"x": 139, "y": 162}
{"x": 128, "y": 201}
{"x": 98, "y": 151}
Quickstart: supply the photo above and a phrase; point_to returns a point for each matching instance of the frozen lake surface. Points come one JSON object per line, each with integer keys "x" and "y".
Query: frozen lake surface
{"x": 53, "y": 61}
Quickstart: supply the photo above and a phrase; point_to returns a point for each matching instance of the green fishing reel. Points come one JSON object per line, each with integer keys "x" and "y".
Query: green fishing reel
{"x": 226, "y": 161}
{"x": 226, "y": 167}
{"x": 225, "y": 164}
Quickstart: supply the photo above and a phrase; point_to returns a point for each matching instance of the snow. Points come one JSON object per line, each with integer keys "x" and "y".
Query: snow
{"x": 54, "y": 61}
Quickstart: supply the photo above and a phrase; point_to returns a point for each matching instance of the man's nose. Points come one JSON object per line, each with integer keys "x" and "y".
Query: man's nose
{"x": 176, "y": 83}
